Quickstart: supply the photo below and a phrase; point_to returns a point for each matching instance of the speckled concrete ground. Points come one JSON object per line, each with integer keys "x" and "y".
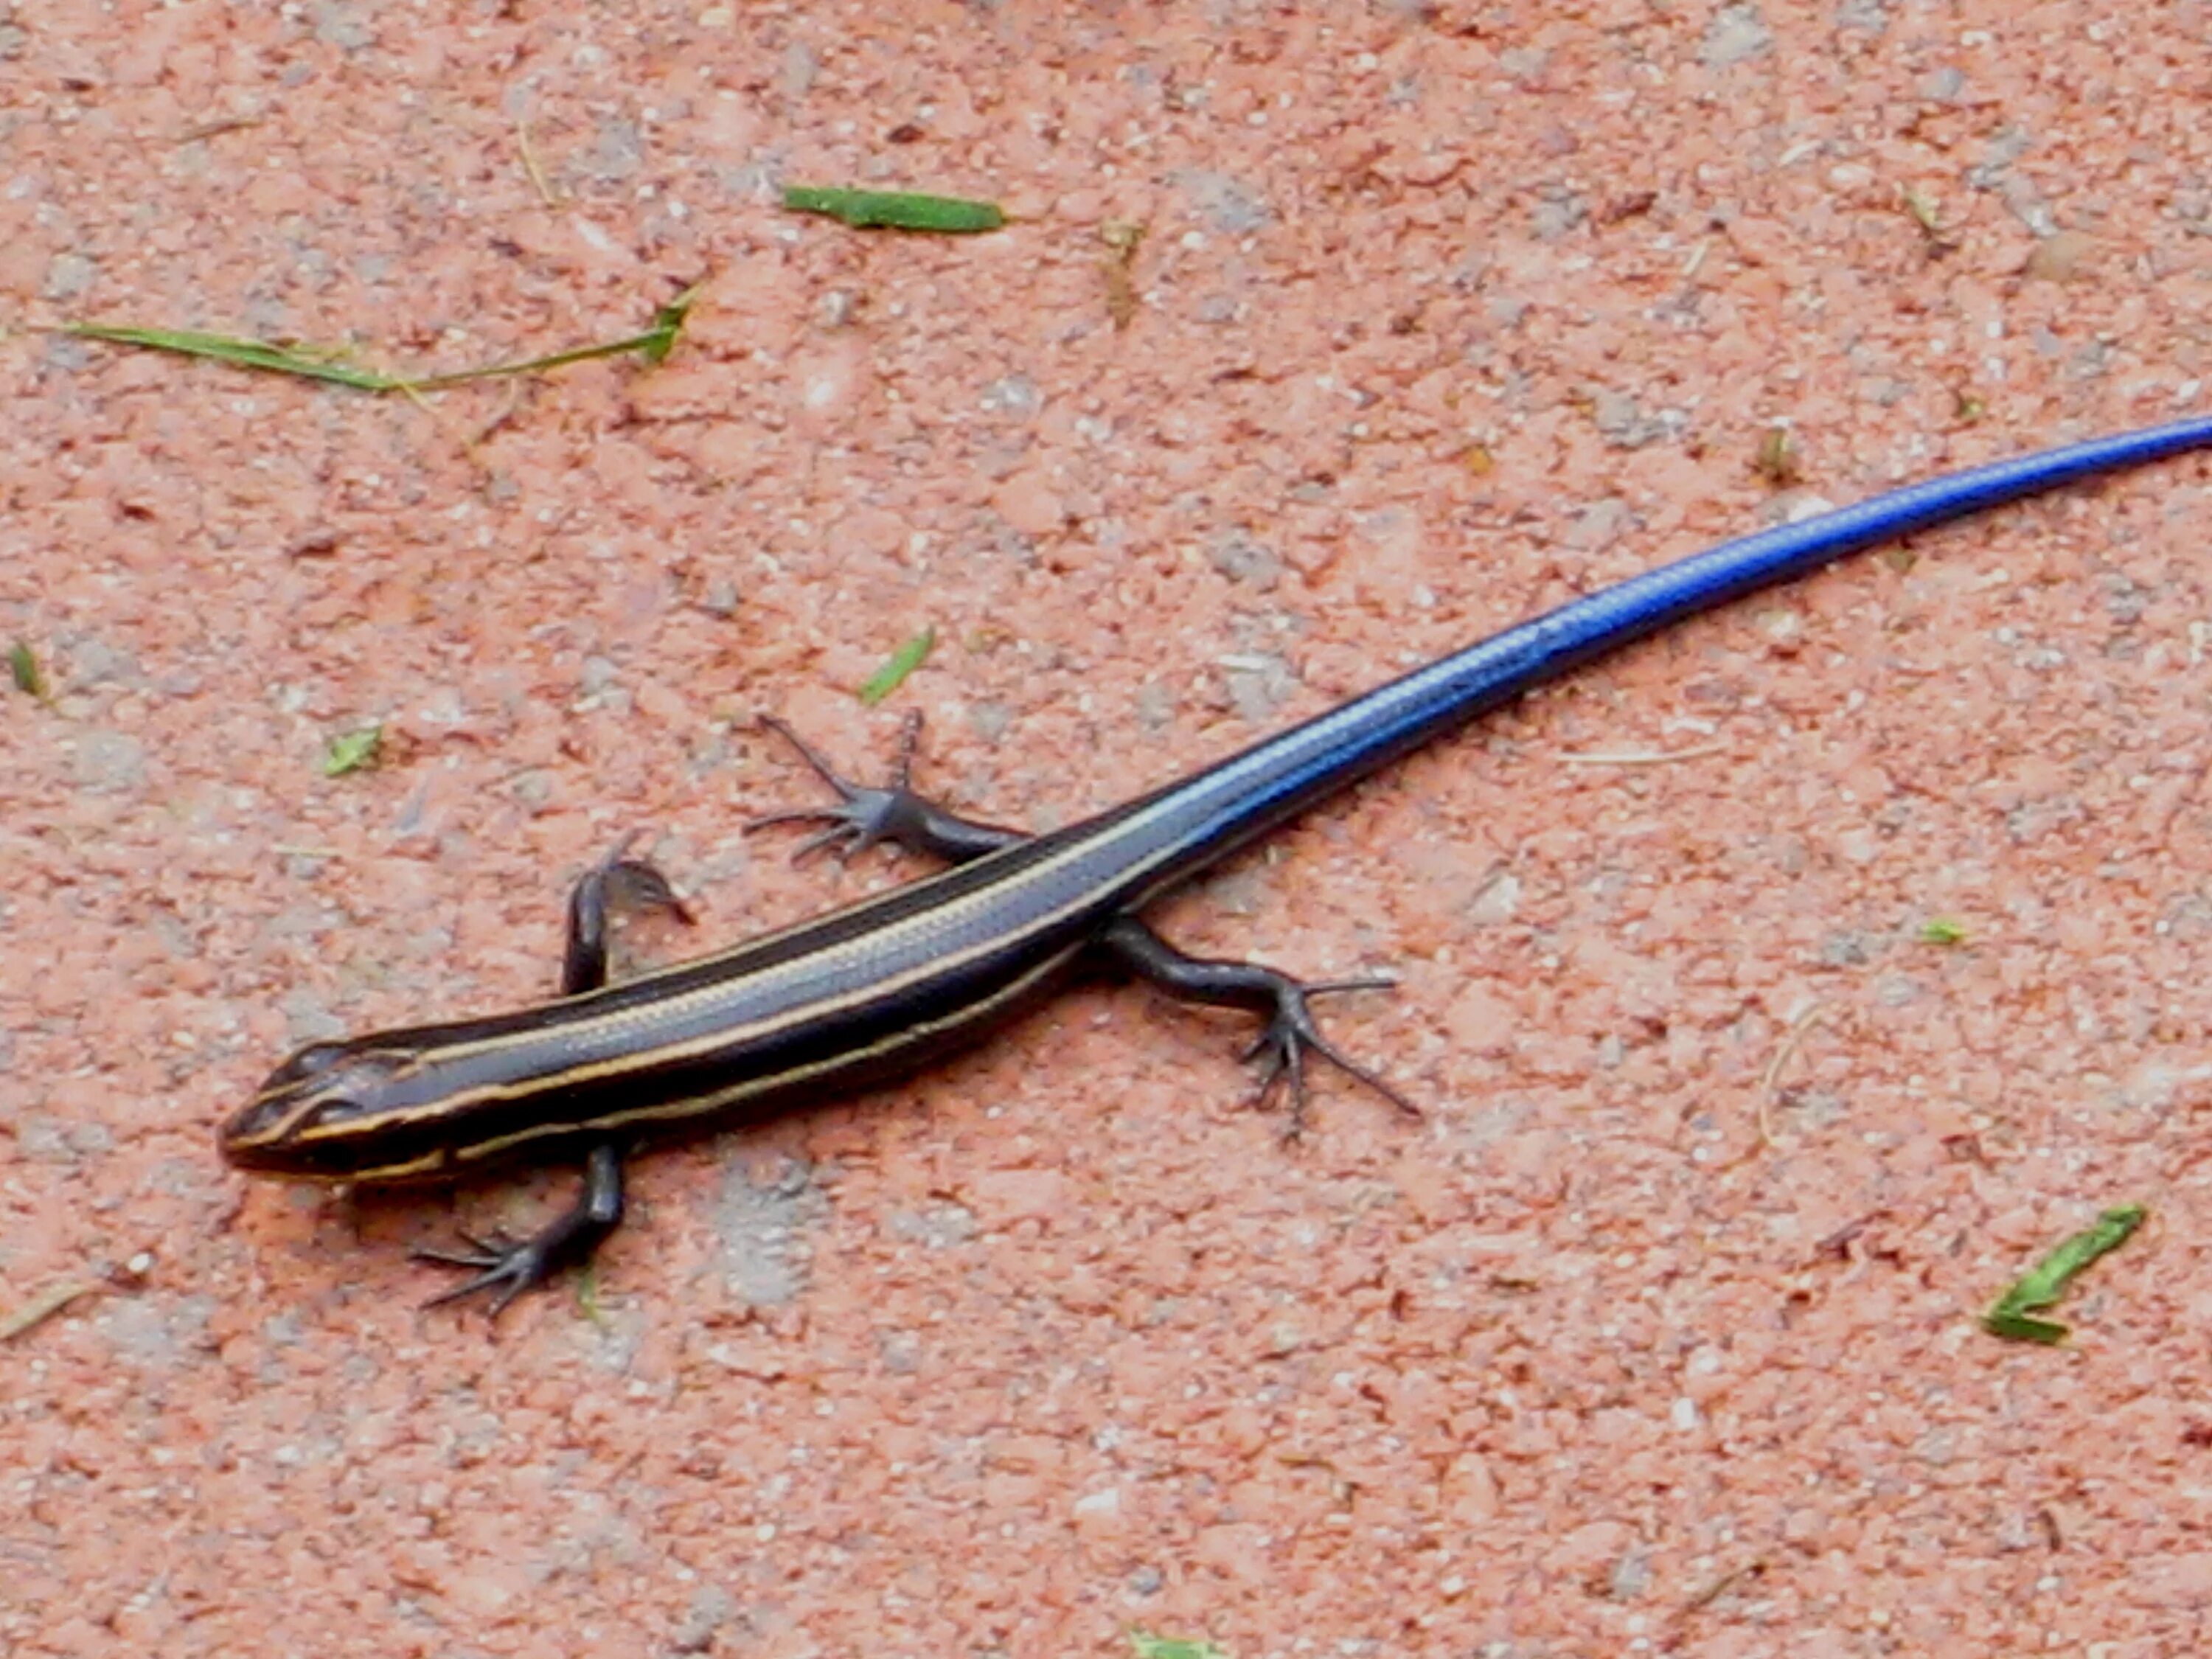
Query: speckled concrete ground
{"x": 1442, "y": 314}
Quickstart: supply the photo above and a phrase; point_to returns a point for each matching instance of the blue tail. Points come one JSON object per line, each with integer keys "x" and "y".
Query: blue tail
{"x": 1242, "y": 797}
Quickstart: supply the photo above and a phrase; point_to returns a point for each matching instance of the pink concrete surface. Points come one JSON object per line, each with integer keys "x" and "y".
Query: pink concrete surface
{"x": 1442, "y": 314}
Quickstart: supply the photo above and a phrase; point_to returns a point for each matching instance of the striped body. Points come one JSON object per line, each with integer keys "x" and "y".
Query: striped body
{"x": 883, "y": 986}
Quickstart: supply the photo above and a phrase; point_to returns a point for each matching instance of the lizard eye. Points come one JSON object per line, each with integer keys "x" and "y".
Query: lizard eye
{"x": 329, "y": 1110}
{"x": 311, "y": 1061}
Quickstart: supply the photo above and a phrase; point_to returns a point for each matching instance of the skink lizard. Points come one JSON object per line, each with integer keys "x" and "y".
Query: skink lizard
{"x": 879, "y": 988}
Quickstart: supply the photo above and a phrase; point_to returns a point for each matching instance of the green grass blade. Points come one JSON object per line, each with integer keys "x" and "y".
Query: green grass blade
{"x": 308, "y": 362}
{"x": 895, "y": 210}
{"x": 323, "y": 363}
{"x": 2041, "y": 1287}
{"x": 901, "y": 662}
{"x": 23, "y": 667}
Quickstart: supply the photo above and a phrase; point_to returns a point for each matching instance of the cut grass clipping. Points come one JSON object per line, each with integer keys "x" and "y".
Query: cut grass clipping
{"x": 901, "y": 662}
{"x": 330, "y": 363}
{"x": 1146, "y": 1645}
{"x": 355, "y": 751}
{"x": 865, "y": 210}
{"x": 2012, "y": 1315}
{"x": 24, "y": 670}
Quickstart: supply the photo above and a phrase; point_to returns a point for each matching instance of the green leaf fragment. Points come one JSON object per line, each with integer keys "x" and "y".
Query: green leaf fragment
{"x": 2012, "y": 1315}
{"x": 657, "y": 342}
{"x": 903, "y": 661}
{"x": 353, "y": 752}
{"x": 23, "y": 668}
{"x": 895, "y": 210}
{"x": 588, "y": 1295}
{"x": 1146, "y": 1646}
{"x": 2023, "y": 1327}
